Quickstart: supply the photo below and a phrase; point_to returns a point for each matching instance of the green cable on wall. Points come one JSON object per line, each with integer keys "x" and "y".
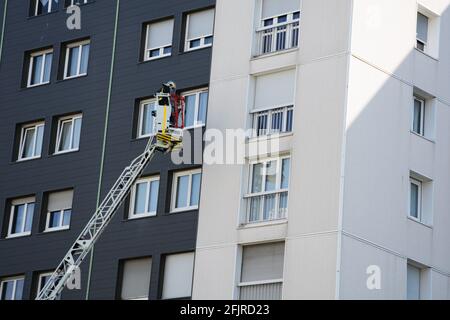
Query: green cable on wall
{"x": 3, "y": 29}
{"x": 105, "y": 133}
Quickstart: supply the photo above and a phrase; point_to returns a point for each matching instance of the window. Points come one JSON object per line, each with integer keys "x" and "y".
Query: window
{"x": 68, "y": 135}
{"x": 415, "y": 208}
{"x": 144, "y": 198}
{"x": 77, "y": 58}
{"x": 427, "y": 32}
{"x": 199, "y": 29}
{"x": 76, "y": 2}
{"x": 43, "y": 6}
{"x": 11, "y": 288}
{"x": 146, "y": 125}
{"x": 21, "y": 217}
{"x": 30, "y": 146}
{"x": 196, "y": 105}
{"x": 413, "y": 282}
{"x": 418, "y": 117}
{"x": 59, "y": 210}
{"x": 279, "y": 26}
{"x": 420, "y": 199}
{"x": 40, "y": 68}
{"x": 42, "y": 280}
{"x": 273, "y": 109}
{"x": 262, "y": 272}
{"x": 186, "y": 190}
{"x": 422, "y": 31}
{"x": 136, "y": 279}
{"x": 158, "y": 40}
{"x": 269, "y": 185}
{"x": 178, "y": 272}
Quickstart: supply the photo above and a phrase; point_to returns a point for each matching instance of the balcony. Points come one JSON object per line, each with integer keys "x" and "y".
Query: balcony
{"x": 266, "y": 207}
{"x": 273, "y": 121}
{"x": 278, "y": 37}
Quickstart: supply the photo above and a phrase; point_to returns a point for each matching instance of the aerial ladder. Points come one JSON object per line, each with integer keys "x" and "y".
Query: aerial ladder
{"x": 168, "y": 126}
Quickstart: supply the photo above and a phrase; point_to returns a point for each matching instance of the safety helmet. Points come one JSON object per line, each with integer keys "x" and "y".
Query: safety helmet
{"x": 171, "y": 84}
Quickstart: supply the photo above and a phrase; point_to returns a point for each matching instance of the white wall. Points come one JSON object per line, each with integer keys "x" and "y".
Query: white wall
{"x": 380, "y": 151}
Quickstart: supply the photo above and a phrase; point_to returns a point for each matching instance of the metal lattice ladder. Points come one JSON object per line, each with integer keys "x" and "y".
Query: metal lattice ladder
{"x": 97, "y": 224}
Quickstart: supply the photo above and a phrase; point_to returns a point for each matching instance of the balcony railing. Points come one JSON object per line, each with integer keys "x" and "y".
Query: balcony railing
{"x": 269, "y": 290}
{"x": 278, "y": 37}
{"x": 265, "y": 207}
{"x": 273, "y": 121}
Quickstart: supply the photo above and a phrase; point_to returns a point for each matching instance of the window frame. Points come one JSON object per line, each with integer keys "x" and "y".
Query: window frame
{"x": 70, "y": 46}
{"x": 197, "y": 94}
{"x": 421, "y": 41}
{"x": 202, "y": 45}
{"x": 20, "y": 201}
{"x": 148, "y": 180}
{"x": 41, "y": 275}
{"x": 23, "y": 131}
{"x": 278, "y": 191}
{"x": 142, "y": 103}
{"x": 11, "y": 279}
{"x": 272, "y": 31}
{"x": 61, "y": 121}
{"x": 72, "y": 3}
{"x": 60, "y": 226}
{"x": 269, "y": 113}
{"x": 422, "y": 116}
{"x": 161, "y": 54}
{"x": 50, "y": 8}
{"x": 419, "y": 185}
{"x": 176, "y": 175}
{"x": 33, "y": 56}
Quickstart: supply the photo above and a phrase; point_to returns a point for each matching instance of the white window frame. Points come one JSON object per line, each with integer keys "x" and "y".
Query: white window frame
{"x": 176, "y": 175}
{"x": 61, "y": 121}
{"x": 79, "y": 2}
{"x": 422, "y": 116}
{"x": 197, "y": 94}
{"x": 291, "y": 25}
{"x": 80, "y": 51}
{"x": 425, "y": 43}
{"x": 419, "y": 184}
{"x": 147, "y": 50}
{"x": 11, "y": 279}
{"x": 60, "y": 227}
{"x": 202, "y": 45}
{"x": 141, "y": 118}
{"x": 60, "y": 223}
{"x": 131, "y": 214}
{"x": 33, "y": 56}
{"x": 277, "y": 192}
{"x": 285, "y": 109}
{"x": 50, "y": 8}
{"x": 41, "y": 275}
{"x": 18, "y": 202}
{"x": 23, "y": 132}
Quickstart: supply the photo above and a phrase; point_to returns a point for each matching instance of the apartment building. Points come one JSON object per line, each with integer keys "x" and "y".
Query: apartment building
{"x": 76, "y": 109}
{"x": 353, "y": 203}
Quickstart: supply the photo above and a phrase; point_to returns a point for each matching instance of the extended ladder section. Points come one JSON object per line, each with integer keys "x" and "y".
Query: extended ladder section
{"x": 97, "y": 224}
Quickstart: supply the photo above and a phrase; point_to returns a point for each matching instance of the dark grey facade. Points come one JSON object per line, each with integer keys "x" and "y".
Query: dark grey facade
{"x": 132, "y": 80}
